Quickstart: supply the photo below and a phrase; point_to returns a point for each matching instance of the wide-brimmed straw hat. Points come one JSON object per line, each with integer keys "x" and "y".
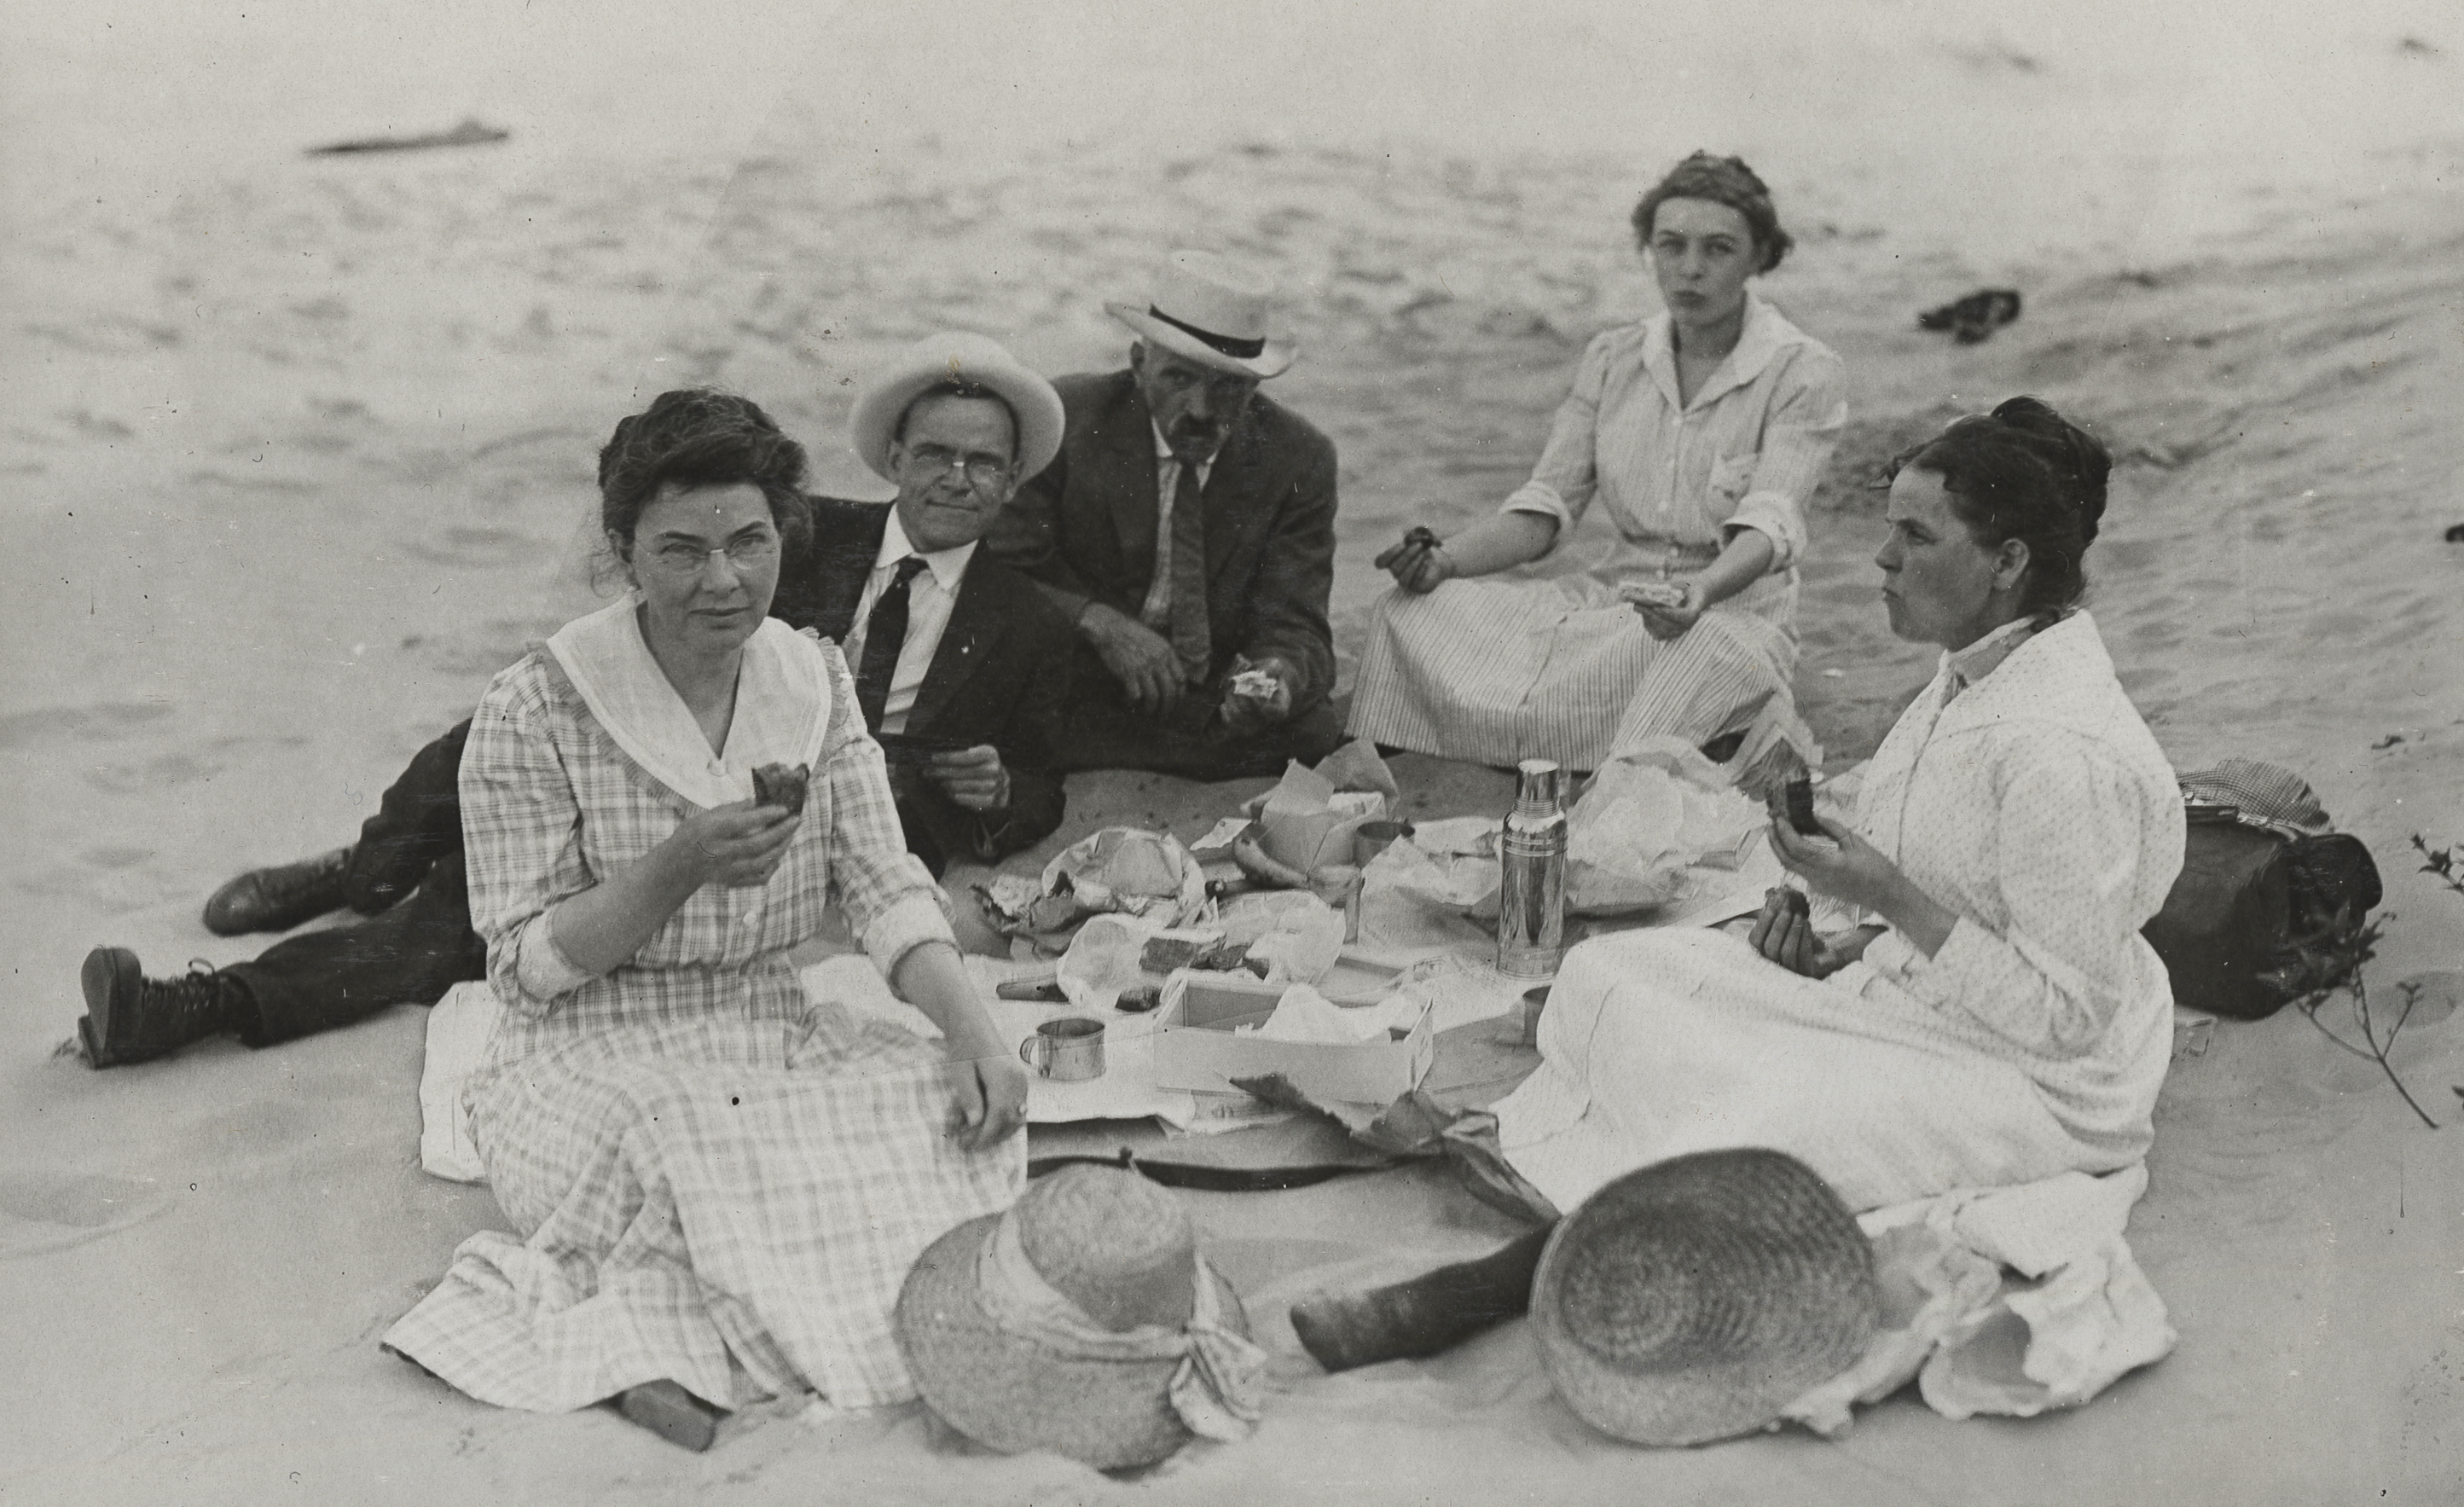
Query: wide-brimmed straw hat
{"x": 1694, "y": 1299}
{"x": 1083, "y": 1321}
{"x": 956, "y": 356}
{"x": 1212, "y": 311}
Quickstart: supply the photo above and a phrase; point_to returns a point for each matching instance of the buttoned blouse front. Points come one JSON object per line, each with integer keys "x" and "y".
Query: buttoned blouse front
{"x": 1678, "y": 479}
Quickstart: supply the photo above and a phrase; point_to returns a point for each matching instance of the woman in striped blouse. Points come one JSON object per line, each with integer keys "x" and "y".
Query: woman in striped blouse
{"x": 1702, "y": 431}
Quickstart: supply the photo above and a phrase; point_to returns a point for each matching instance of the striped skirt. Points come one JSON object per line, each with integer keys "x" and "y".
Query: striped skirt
{"x": 1496, "y": 672}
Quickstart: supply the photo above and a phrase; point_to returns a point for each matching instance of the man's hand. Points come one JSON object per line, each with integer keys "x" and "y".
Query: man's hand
{"x": 987, "y": 1100}
{"x": 1258, "y": 694}
{"x": 1139, "y": 658}
{"x": 972, "y": 778}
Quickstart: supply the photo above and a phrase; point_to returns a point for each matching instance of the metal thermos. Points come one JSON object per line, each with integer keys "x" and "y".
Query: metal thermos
{"x": 1531, "y": 877}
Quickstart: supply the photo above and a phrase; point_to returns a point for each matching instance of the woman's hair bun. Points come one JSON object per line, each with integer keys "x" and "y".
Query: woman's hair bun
{"x": 2076, "y": 456}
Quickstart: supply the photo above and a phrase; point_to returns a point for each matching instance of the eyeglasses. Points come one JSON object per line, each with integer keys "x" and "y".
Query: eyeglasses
{"x": 981, "y": 469}
{"x": 676, "y": 558}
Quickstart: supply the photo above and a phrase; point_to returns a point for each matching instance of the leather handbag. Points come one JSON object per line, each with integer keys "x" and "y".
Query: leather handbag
{"x": 2262, "y": 905}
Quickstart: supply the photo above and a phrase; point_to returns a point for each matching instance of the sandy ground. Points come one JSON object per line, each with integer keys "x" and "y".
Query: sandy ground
{"x": 293, "y": 457}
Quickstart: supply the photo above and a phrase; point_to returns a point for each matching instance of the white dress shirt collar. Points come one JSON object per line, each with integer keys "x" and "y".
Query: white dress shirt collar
{"x": 948, "y": 566}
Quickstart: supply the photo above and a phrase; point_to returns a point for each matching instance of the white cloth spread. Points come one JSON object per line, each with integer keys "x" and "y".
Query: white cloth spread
{"x": 1219, "y": 1383}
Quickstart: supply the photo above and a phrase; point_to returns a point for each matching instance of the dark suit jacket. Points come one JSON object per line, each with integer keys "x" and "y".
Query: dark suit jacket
{"x": 1086, "y": 527}
{"x": 999, "y": 676}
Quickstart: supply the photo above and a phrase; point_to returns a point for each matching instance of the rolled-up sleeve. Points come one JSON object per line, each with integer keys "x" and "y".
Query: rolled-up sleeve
{"x": 1809, "y": 409}
{"x": 2049, "y": 977}
{"x": 522, "y": 827}
{"x": 1562, "y": 483}
{"x": 891, "y": 904}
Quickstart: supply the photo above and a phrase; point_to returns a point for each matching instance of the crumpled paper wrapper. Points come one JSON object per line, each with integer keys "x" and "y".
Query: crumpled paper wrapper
{"x": 1644, "y": 820}
{"x": 1295, "y": 934}
{"x": 1308, "y": 820}
{"x": 1125, "y": 871}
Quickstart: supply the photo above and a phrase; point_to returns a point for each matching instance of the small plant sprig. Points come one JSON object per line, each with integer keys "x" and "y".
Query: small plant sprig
{"x": 2333, "y": 966}
{"x": 2441, "y": 862}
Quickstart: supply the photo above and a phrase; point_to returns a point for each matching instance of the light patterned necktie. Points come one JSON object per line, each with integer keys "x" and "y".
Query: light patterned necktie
{"x": 1190, "y": 638}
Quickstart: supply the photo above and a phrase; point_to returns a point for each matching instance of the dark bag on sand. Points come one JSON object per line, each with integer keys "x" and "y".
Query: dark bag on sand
{"x": 2267, "y": 896}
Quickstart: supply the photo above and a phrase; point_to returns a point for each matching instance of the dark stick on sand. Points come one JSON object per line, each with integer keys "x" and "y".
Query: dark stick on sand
{"x": 1422, "y": 1314}
{"x": 469, "y": 133}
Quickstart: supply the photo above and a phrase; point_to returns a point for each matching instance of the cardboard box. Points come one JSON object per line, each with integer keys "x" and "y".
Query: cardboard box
{"x": 1197, "y": 1049}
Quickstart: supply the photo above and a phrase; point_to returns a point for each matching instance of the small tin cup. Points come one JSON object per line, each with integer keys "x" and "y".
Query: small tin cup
{"x": 1068, "y": 1050}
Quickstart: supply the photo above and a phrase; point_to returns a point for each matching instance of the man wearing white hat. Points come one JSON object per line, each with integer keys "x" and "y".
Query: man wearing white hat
{"x": 1187, "y": 529}
{"x": 960, "y": 668}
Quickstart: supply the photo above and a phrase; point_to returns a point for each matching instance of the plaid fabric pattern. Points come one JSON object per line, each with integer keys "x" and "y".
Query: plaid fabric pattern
{"x": 1497, "y": 672}
{"x": 719, "y": 1182}
{"x": 740, "y": 1228}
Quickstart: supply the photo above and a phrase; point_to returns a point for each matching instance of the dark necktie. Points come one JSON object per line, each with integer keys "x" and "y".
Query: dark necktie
{"x": 884, "y": 634}
{"x": 1191, "y": 642}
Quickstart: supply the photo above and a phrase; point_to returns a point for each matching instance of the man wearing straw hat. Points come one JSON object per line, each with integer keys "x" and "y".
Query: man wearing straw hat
{"x": 1187, "y": 529}
{"x": 959, "y": 666}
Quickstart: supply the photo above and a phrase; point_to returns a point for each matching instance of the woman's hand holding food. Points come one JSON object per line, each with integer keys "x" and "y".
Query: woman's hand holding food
{"x": 738, "y": 846}
{"x": 1421, "y": 564}
{"x": 1784, "y": 934}
{"x": 1846, "y": 867}
{"x": 1668, "y": 607}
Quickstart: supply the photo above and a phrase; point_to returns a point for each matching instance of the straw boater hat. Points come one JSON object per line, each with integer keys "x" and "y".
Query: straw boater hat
{"x": 1213, "y": 311}
{"x": 1694, "y": 1299}
{"x": 956, "y": 356}
{"x": 1083, "y": 1321}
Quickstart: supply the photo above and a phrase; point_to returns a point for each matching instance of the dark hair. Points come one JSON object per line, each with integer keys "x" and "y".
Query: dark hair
{"x": 1722, "y": 180}
{"x": 960, "y": 387}
{"x": 698, "y": 437}
{"x": 2024, "y": 473}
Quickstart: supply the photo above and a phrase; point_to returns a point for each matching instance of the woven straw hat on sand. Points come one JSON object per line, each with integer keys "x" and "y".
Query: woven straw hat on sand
{"x": 1692, "y": 1299}
{"x": 1118, "y": 1267}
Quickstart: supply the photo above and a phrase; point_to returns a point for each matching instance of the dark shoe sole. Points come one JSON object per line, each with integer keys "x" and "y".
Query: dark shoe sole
{"x": 110, "y": 979}
{"x": 673, "y": 1413}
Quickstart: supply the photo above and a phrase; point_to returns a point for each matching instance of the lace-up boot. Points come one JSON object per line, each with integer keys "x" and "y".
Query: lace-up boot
{"x": 280, "y": 898}
{"x": 130, "y": 1017}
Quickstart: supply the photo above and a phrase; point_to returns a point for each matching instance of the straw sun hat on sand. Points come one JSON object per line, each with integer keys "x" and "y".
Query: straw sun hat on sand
{"x": 1694, "y": 1299}
{"x": 1083, "y": 1321}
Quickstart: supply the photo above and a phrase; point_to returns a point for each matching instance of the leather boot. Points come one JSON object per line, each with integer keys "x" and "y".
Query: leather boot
{"x": 280, "y": 898}
{"x": 1421, "y": 1316}
{"x": 130, "y": 1017}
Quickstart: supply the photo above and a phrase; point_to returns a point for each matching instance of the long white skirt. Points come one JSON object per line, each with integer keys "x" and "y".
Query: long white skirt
{"x": 1499, "y": 671}
{"x": 1658, "y": 1044}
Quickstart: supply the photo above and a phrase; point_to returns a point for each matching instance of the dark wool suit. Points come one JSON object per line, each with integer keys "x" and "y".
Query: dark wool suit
{"x": 1084, "y": 529}
{"x": 999, "y": 676}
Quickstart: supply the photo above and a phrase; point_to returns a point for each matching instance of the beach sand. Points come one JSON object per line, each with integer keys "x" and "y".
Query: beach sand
{"x": 297, "y": 454}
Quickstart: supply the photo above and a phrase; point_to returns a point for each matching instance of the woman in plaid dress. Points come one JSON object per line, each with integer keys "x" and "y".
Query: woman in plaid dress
{"x": 719, "y": 1184}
